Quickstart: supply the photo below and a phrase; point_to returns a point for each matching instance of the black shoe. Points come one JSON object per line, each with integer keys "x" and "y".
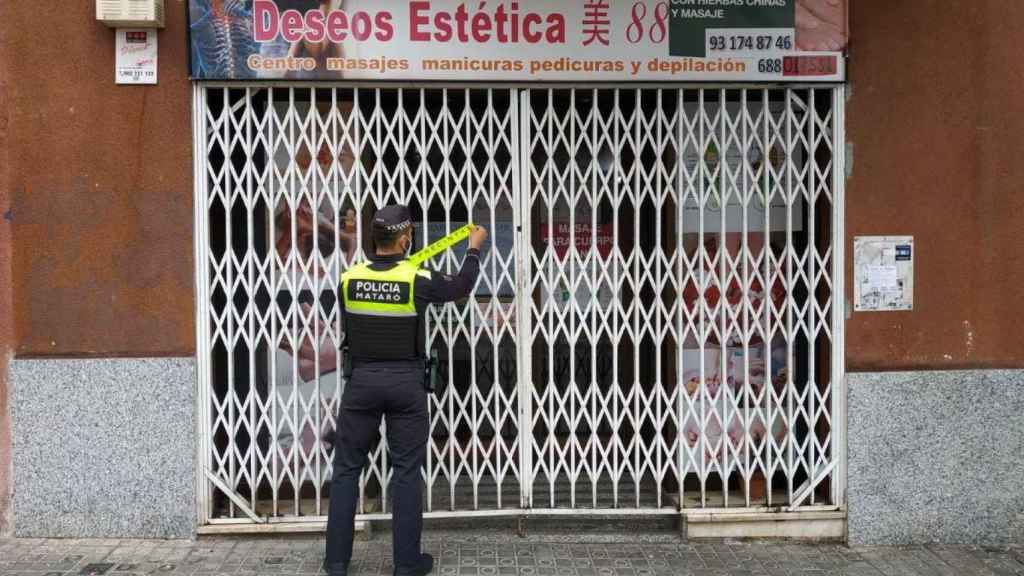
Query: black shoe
{"x": 425, "y": 565}
{"x": 336, "y": 569}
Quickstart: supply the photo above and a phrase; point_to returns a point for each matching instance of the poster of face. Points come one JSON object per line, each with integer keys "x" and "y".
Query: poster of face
{"x": 314, "y": 239}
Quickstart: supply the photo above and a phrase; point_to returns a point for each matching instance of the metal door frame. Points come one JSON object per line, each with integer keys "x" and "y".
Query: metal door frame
{"x": 520, "y": 95}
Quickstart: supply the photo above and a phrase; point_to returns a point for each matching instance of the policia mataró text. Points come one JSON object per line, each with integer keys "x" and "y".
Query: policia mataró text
{"x": 384, "y": 302}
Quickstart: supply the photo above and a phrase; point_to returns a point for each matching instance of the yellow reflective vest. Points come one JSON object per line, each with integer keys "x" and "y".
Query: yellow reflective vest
{"x": 380, "y": 311}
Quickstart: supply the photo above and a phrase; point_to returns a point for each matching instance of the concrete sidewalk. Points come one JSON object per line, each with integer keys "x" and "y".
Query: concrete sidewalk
{"x": 461, "y": 554}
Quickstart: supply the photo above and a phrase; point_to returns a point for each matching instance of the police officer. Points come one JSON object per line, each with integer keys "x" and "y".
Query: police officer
{"x": 383, "y": 303}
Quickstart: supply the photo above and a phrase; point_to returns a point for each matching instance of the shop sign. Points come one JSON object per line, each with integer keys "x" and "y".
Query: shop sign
{"x": 519, "y": 40}
{"x": 135, "y": 61}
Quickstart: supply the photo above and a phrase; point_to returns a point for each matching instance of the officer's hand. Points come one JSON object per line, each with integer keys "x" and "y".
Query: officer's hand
{"x": 477, "y": 237}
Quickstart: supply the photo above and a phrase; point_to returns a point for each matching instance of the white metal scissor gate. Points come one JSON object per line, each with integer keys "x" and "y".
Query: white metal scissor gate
{"x": 654, "y": 329}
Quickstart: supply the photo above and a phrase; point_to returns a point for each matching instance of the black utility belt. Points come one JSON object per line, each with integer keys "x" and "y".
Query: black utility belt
{"x": 427, "y": 365}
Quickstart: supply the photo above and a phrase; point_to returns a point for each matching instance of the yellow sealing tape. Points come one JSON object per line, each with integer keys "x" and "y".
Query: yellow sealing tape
{"x": 441, "y": 245}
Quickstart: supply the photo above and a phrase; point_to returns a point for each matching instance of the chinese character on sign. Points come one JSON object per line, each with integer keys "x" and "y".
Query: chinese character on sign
{"x": 595, "y": 22}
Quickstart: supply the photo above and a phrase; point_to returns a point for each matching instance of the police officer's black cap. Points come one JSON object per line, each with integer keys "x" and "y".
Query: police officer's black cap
{"x": 394, "y": 218}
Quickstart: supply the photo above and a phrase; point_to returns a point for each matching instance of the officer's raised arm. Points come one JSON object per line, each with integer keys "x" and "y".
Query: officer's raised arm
{"x": 446, "y": 288}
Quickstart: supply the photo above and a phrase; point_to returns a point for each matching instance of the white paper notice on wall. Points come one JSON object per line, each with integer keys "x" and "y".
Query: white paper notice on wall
{"x": 883, "y": 273}
{"x": 136, "y": 56}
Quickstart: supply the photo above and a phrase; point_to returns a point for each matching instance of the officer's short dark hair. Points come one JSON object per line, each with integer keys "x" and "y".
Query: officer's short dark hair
{"x": 383, "y": 238}
{"x": 389, "y": 224}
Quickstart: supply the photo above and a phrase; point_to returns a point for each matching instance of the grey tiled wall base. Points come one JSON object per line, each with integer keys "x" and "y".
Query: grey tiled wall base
{"x": 936, "y": 457}
{"x": 104, "y": 448}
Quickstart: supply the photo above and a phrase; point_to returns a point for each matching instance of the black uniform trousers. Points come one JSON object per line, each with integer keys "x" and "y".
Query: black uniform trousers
{"x": 394, "y": 390}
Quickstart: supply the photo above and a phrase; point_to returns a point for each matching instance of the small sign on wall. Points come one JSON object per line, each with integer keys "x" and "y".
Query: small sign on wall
{"x": 136, "y": 56}
{"x": 883, "y": 273}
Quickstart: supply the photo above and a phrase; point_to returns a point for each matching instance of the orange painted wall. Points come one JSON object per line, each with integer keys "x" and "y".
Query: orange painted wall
{"x": 101, "y": 186}
{"x": 101, "y": 191}
{"x": 936, "y": 121}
